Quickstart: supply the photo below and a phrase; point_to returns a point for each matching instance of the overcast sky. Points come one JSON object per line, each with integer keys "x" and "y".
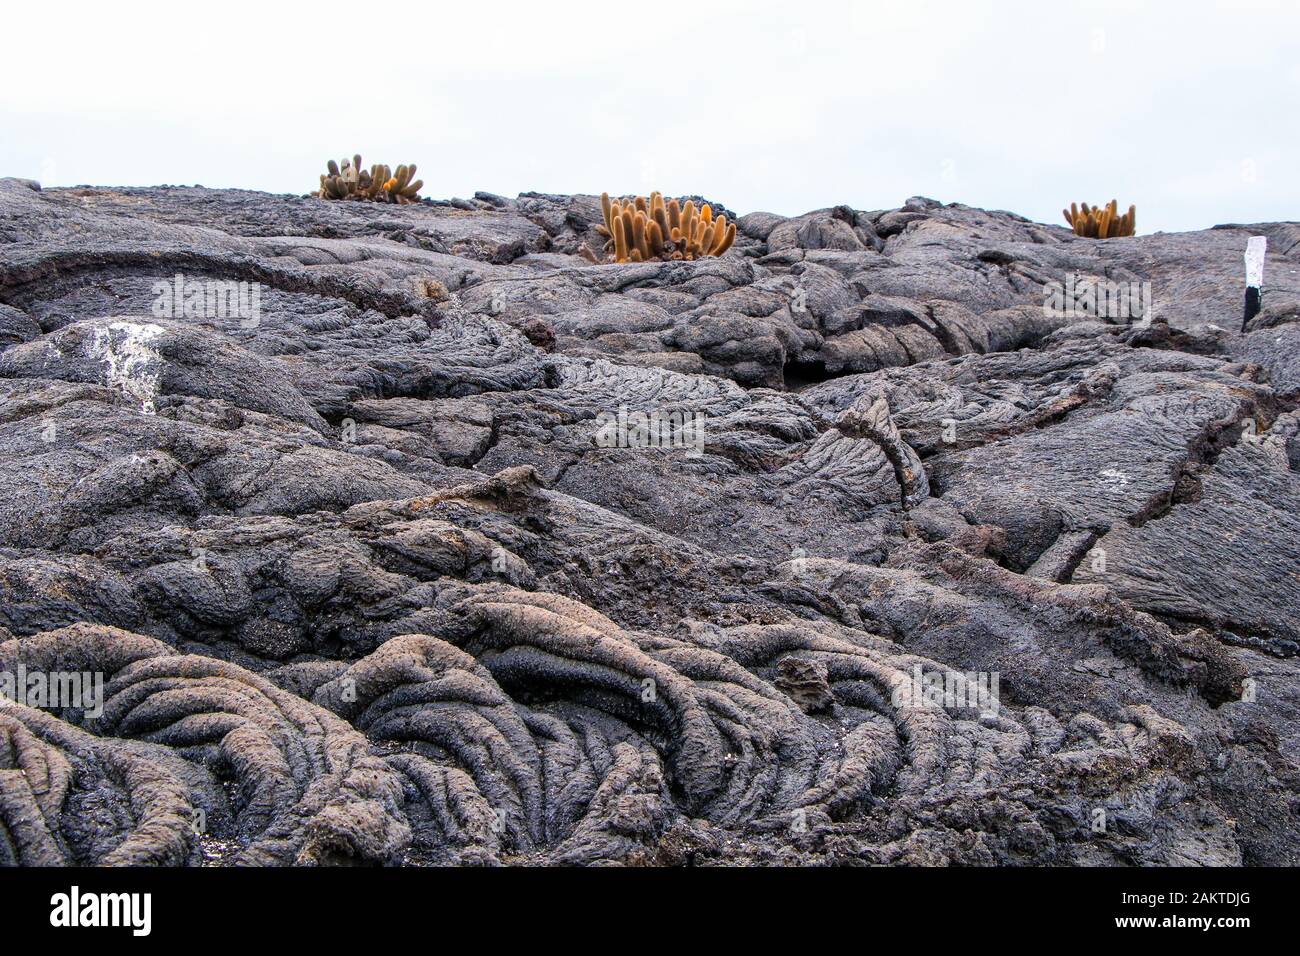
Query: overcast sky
{"x": 1190, "y": 109}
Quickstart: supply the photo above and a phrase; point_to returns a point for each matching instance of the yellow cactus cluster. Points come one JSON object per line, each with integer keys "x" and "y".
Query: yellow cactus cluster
{"x": 641, "y": 230}
{"x": 1101, "y": 222}
{"x": 377, "y": 184}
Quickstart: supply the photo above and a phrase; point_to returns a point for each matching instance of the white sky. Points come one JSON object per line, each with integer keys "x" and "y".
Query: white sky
{"x": 1189, "y": 109}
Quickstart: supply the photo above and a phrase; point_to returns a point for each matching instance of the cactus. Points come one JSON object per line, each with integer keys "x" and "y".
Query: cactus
{"x": 345, "y": 182}
{"x": 641, "y": 230}
{"x": 377, "y": 184}
{"x": 399, "y": 187}
{"x": 1101, "y": 222}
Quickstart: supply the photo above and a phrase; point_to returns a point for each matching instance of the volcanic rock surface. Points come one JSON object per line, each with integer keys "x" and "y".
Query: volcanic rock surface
{"x": 367, "y": 580}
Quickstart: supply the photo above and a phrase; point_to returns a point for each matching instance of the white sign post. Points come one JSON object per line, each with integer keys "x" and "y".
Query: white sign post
{"x": 1256, "y": 246}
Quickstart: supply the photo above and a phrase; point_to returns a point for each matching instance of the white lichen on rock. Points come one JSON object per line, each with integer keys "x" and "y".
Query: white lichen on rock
{"x": 131, "y": 364}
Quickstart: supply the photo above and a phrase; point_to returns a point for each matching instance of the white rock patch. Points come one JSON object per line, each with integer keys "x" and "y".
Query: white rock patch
{"x": 132, "y": 365}
{"x": 1114, "y": 479}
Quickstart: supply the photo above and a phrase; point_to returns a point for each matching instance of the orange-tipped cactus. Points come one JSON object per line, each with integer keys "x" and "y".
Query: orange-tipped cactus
{"x": 641, "y": 229}
{"x": 399, "y": 187}
{"x": 378, "y": 184}
{"x": 1100, "y": 222}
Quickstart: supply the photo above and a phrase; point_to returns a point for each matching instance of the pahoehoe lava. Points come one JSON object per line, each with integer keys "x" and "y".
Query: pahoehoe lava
{"x": 365, "y": 586}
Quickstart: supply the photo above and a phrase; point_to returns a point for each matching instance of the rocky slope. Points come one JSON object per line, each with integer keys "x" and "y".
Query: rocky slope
{"x": 367, "y": 583}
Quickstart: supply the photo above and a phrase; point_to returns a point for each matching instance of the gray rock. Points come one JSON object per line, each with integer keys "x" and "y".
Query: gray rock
{"x": 840, "y": 548}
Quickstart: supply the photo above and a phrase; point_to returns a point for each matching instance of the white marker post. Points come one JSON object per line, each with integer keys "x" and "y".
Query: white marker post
{"x": 1255, "y": 248}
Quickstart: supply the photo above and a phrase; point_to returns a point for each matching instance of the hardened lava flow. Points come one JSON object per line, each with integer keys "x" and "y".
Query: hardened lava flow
{"x": 404, "y": 533}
